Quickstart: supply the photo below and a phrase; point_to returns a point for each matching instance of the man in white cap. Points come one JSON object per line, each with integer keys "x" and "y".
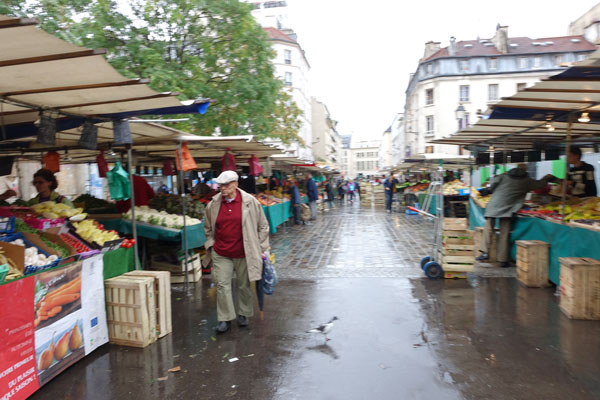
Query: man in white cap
{"x": 237, "y": 236}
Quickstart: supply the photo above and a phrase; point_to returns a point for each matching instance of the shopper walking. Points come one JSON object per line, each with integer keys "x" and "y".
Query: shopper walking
{"x": 350, "y": 188}
{"x": 330, "y": 193}
{"x": 390, "y": 187}
{"x": 295, "y": 201}
{"x": 237, "y": 236}
{"x": 508, "y": 192}
{"x": 341, "y": 190}
{"x": 313, "y": 196}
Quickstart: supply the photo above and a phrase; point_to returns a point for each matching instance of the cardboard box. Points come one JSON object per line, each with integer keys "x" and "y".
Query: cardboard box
{"x": 58, "y": 240}
{"x": 15, "y": 253}
{"x": 37, "y": 242}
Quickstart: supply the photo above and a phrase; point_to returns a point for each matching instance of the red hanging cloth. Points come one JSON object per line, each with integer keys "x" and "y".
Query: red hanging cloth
{"x": 102, "y": 164}
{"x": 228, "y": 161}
{"x": 255, "y": 167}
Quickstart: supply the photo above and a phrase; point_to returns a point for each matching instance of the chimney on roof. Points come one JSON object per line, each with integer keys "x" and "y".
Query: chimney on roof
{"x": 290, "y": 32}
{"x": 452, "y": 48}
{"x": 430, "y": 48}
{"x": 500, "y": 39}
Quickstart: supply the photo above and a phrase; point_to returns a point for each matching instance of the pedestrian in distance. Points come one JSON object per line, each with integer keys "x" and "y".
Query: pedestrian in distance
{"x": 389, "y": 186}
{"x": 237, "y": 238}
{"x": 341, "y": 190}
{"x": 295, "y": 201}
{"x": 330, "y": 194}
{"x": 508, "y": 192}
{"x": 313, "y": 196}
{"x": 350, "y": 188}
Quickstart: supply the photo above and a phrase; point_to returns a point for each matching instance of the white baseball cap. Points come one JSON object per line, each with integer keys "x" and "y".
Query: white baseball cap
{"x": 226, "y": 177}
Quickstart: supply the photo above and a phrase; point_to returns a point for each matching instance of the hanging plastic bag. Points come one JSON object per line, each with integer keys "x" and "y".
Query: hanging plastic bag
{"x": 118, "y": 183}
{"x": 255, "y": 167}
{"x": 52, "y": 161}
{"x": 102, "y": 164}
{"x": 228, "y": 161}
{"x": 187, "y": 160}
{"x": 167, "y": 169}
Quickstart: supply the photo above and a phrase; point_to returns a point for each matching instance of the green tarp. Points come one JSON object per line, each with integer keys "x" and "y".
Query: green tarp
{"x": 195, "y": 233}
{"x": 117, "y": 262}
{"x": 565, "y": 241}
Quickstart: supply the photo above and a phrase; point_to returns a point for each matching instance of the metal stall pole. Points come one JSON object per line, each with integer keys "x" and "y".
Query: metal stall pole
{"x": 567, "y": 149}
{"x": 182, "y": 195}
{"x": 132, "y": 199}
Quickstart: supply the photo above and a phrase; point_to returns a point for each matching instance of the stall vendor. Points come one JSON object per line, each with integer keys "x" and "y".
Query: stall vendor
{"x": 508, "y": 193}
{"x": 45, "y": 183}
{"x": 581, "y": 175}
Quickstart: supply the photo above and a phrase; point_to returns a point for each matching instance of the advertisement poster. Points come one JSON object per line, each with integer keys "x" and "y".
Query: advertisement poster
{"x": 18, "y": 374}
{"x": 49, "y": 321}
{"x": 95, "y": 329}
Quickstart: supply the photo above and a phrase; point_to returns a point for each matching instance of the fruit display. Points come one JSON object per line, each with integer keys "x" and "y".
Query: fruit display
{"x": 265, "y": 200}
{"x": 94, "y": 205}
{"x": 577, "y": 210}
{"x": 417, "y": 187}
{"x": 172, "y": 204}
{"x": 482, "y": 201}
{"x": 453, "y": 187}
{"x": 74, "y": 243}
{"x": 277, "y": 193}
{"x": 53, "y": 210}
{"x": 92, "y": 232}
{"x": 160, "y": 218}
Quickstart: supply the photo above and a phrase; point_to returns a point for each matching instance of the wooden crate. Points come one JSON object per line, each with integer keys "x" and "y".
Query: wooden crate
{"x": 162, "y": 289}
{"x": 130, "y": 311}
{"x": 456, "y": 254}
{"x": 580, "y": 287}
{"x": 194, "y": 275}
{"x": 493, "y": 250}
{"x": 532, "y": 262}
{"x": 158, "y": 265}
{"x": 455, "y": 224}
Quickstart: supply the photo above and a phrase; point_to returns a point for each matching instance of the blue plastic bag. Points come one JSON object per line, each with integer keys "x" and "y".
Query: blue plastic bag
{"x": 269, "y": 277}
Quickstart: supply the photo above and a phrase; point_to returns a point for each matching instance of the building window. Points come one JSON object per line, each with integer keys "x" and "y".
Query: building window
{"x": 493, "y": 92}
{"x": 523, "y": 62}
{"x": 464, "y": 122}
{"x": 429, "y": 149}
{"x": 558, "y": 59}
{"x": 429, "y": 124}
{"x": 464, "y": 65}
{"x": 428, "y": 69}
{"x": 463, "y": 93}
{"x": 581, "y": 57}
{"x": 288, "y": 79}
{"x": 492, "y": 63}
{"x": 287, "y": 56}
{"x": 428, "y": 97}
{"x": 537, "y": 62}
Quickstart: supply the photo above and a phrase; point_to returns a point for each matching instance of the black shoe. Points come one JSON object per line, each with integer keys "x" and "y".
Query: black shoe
{"x": 223, "y": 326}
{"x": 483, "y": 257}
{"x": 242, "y": 321}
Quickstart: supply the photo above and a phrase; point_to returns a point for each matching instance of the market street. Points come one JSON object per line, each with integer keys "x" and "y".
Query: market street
{"x": 399, "y": 335}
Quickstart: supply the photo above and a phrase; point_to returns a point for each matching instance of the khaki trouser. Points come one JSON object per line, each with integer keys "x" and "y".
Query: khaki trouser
{"x": 223, "y": 270}
{"x": 503, "y": 240}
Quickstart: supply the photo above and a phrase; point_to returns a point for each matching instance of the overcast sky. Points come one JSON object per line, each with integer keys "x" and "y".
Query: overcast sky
{"x": 361, "y": 52}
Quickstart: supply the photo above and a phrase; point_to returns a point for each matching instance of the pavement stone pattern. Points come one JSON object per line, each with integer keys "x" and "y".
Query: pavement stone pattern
{"x": 354, "y": 241}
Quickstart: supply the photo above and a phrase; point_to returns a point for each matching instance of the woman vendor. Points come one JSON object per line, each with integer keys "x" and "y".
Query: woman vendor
{"x": 45, "y": 183}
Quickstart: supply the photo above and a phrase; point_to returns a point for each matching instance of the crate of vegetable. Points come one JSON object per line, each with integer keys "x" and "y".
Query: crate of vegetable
{"x": 93, "y": 235}
{"x": 36, "y": 259}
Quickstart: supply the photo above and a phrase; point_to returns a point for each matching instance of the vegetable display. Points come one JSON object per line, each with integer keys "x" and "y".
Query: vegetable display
{"x": 23, "y": 227}
{"x": 94, "y": 205}
{"x": 91, "y": 231}
{"x": 160, "y": 218}
{"x": 13, "y": 271}
{"x": 53, "y": 210}
{"x": 32, "y": 257}
{"x": 172, "y": 204}
{"x": 74, "y": 243}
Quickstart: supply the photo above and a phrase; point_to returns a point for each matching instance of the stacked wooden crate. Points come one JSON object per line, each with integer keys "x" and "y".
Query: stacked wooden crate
{"x": 379, "y": 195}
{"x": 135, "y": 316}
{"x": 493, "y": 250}
{"x": 176, "y": 266}
{"x": 532, "y": 262}
{"x": 456, "y": 255}
{"x": 580, "y": 287}
{"x": 366, "y": 194}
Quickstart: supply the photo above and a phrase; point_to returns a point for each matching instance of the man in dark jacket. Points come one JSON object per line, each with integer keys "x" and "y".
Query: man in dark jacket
{"x": 330, "y": 194}
{"x": 581, "y": 175}
{"x": 295, "y": 201}
{"x": 390, "y": 187}
{"x": 508, "y": 192}
{"x": 313, "y": 196}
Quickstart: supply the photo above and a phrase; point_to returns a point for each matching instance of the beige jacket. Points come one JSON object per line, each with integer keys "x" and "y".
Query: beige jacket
{"x": 255, "y": 230}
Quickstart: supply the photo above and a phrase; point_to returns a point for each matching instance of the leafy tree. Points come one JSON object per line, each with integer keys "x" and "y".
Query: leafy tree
{"x": 208, "y": 48}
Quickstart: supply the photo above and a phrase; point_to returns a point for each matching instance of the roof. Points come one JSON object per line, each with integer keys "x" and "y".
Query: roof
{"x": 276, "y": 34}
{"x": 517, "y": 45}
{"x": 522, "y": 121}
{"x": 41, "y": 72}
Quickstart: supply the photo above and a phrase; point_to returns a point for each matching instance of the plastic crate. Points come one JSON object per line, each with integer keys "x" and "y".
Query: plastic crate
{"x": 8, "y": 225}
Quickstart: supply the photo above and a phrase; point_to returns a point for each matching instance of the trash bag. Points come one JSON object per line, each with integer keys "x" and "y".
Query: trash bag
{"x": 269, "y": 277}
{"x": 305, "y": 212}
{"x": 52, "y": 161}
{"x": 187, "y": 160}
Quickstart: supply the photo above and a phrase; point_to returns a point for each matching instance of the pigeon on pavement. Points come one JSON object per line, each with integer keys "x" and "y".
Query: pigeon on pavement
{"x": 324, "y": 328}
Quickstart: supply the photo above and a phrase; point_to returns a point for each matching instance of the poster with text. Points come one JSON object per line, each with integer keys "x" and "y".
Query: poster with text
{"x": 18, "y": 375}
{"x": 95, "y": 329}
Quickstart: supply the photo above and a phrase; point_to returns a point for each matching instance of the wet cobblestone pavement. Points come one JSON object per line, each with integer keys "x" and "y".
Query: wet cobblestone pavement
{"x": 399, "y": 335}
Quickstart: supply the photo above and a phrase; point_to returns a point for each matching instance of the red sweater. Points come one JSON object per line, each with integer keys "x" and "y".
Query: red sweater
{"x": 229, "y": 240}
